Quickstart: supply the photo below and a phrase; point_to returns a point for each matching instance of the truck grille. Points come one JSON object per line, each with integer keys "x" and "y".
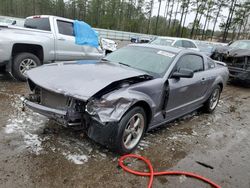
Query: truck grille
{"x": 53, "y": 100}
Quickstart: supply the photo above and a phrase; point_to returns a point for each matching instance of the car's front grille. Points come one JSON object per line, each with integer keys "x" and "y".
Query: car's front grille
{"x": 53, "y": 100}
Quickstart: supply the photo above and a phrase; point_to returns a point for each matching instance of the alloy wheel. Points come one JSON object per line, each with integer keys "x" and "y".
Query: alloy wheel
{"x": 26, "y": 65}
{"x": 133, "y": 131}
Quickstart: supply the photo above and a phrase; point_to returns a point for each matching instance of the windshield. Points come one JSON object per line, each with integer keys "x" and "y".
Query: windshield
{"x": 241, "y": 44}
{"x": 154, "y": 62}
{"x": 162, "y": 41}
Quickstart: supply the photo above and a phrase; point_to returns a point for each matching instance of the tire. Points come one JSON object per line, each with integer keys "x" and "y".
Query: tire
{"x": 213, "y": 100}
{"x": 19, "y": 62}
{"x": 120, "y": 145}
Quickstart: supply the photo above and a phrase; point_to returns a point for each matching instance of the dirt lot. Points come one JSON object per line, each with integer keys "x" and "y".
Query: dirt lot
{"x": 35, "y": 152}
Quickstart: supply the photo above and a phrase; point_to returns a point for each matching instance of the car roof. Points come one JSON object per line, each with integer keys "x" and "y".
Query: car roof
{"x": 50, "y": 16}
{"x": 176, "y": 38}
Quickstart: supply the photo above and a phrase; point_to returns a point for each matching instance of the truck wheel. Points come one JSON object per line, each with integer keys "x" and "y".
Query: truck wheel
{"x": 213, "y": 100}
{"x": 23, "y": 62}
{"x": 131, "y": 129}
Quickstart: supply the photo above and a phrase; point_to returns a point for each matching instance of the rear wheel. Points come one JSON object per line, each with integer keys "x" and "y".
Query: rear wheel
{"x": 23, "y": 62}
{"x": 131, "y": 129}
{"x": 213, "y": 100}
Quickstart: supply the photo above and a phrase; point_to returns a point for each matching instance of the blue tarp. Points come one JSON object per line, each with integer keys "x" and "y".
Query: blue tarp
{"x": 84, "y": 34}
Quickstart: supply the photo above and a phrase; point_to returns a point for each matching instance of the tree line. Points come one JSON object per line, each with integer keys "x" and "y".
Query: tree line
{"x": 137, "y": 15}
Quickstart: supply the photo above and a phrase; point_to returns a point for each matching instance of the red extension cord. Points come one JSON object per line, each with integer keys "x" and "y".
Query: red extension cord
{"x": 151, "y": 172}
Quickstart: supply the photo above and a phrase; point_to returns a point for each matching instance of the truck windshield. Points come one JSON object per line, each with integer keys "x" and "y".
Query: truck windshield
{"x": 38, "y": 23}
{"x": 153, "y": 61}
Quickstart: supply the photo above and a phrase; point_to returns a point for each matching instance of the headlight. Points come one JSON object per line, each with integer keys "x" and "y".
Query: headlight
{"x": 94, "y": 105}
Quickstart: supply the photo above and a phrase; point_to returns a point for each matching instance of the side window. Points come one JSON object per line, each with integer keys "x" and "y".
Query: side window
{"x": 178, "y": 43}
{"x": 210, "y": 63}
{"x": 188, "y": 44}
{"x": 65, "y": 28}
{"x": 192, "y": 62}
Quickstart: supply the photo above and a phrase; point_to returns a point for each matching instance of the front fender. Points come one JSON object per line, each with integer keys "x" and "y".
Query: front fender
{"x": 119, "y": 104}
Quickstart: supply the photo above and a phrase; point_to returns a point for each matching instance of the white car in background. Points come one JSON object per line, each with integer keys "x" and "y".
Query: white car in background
{"x": 108, "y": 45}
{"x": 176, "y": 42}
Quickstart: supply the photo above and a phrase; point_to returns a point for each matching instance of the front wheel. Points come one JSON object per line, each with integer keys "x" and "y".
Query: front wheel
{"x": 23, "y": 62}
{"x": 131, "y": 129}
{"x": 213, "y": 100}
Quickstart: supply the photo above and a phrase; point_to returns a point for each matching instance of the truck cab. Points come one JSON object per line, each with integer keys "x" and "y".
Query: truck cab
{"x": 44, "y": 39}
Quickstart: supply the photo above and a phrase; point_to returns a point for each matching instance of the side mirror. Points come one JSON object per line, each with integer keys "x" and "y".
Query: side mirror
{"x": 13, "y": 23}
{"x": 183, "y": 73}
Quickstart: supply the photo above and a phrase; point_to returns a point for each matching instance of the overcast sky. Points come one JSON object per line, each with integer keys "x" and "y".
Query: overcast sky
{"x": 190, "y": 16}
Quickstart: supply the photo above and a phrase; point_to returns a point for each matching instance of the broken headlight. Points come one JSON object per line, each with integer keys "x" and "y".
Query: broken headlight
{"x": 96, "y": 104}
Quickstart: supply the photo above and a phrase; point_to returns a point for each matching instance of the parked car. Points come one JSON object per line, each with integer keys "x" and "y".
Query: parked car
{"x": 133, "y": 90}
{"x": 237, "y": 57}
{"x": 44, "y": 39}
{"x": 175, "y": 42}
{"x": 138, "y": 39}
{"x": 207, "y": 47}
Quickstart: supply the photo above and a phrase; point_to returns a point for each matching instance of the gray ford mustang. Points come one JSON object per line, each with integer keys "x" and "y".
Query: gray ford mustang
{"x": 134, "y": 89}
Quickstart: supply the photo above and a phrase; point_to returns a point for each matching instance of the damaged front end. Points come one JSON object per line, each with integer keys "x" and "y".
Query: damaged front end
{"x": 97, "y": 115}
{"x": 238, "y": 62}
{"x": 63, "y": 109}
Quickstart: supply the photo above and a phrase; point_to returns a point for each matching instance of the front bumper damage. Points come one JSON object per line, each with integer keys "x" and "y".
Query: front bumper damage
{"x": 59, "y": 115}
{"x": 238, "y": 64}
{"x": 240, "y": 75}
{"x": 101, "y": 132}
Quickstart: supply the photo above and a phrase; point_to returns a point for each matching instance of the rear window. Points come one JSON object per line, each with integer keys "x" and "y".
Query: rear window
{"x": 188, "y": 44}
{"x": 162, "y": 41}
{"x": 38, "y": 23}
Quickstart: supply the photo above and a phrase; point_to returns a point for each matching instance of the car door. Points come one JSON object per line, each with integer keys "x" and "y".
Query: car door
{"x": 186, "y": 93}
{"x": 66, "y": 49}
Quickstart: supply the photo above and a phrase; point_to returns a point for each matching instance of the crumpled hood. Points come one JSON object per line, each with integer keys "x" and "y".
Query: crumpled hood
{"x": 222, "y": 49}
{"x": 238, "y": 52}
{"x": 80, "y": 79}
{"x": 235, "y": 52}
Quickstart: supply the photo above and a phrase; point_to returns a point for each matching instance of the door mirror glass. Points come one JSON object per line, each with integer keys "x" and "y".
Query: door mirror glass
{"x": 183, "y": 73}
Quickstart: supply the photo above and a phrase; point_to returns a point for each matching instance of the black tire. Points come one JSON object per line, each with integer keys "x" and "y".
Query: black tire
{"x": 208, "y": 106}
{"x": 17, "y": 63}
{"x": 119, "y": 145}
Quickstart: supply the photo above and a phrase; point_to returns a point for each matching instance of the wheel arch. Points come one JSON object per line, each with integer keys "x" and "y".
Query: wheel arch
{"x": 221, "y": 85}
{"x": 146, "y": 108}
{"x": 34, "y": 49}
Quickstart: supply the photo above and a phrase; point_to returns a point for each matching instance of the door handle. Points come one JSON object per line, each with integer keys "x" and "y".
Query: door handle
{"x": 61, "y": 39}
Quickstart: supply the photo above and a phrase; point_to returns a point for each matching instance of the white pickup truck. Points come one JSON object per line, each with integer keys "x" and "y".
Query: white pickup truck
{"x": 43, "y": 39}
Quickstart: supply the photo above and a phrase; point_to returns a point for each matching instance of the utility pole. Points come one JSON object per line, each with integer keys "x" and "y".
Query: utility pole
{"x": 157, "y": 19}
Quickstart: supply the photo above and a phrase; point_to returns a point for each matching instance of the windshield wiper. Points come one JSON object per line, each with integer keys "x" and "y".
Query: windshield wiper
{"x": 124, "y": 64}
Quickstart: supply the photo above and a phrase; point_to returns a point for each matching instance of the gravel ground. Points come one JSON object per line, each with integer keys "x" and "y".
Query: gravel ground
{"x": 36, "y": 152}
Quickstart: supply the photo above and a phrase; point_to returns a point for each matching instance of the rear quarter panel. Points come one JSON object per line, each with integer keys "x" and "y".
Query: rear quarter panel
{"x": 216, "y": 76}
